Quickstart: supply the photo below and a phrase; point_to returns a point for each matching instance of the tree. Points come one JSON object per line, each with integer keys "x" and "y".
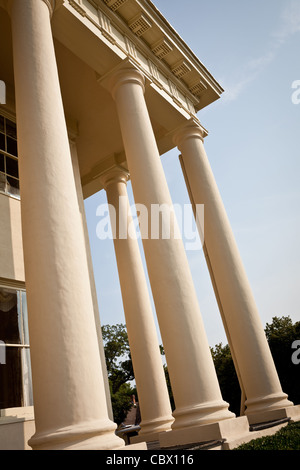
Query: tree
{"x": 227, "y": 377}
{"x": 281, "y": 334}
{"x": 119, "y": 369}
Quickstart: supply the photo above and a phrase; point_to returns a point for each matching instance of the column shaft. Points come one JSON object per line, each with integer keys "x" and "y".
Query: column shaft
{"x": 151, "y": 385}
{"x": 77, "y": 178}
{"x": 241, "y": 319}
{"x": 69, "y": 393}
{"x": 194, "y": 382}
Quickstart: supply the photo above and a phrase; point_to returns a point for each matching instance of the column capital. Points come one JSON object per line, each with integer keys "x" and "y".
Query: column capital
{"x": 126, "y": 74}
{"x": 116, "y": 174}
{"x": 192, "y": 129}
{"x": 51, "y": 4}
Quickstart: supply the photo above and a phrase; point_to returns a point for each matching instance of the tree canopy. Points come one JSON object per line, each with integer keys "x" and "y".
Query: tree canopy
{"x": 119, "y": 369}
{"x": 281, "y": 334}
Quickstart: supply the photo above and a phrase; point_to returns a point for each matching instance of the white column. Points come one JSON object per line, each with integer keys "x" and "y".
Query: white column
{"x": 150, "y": 379}
{"x": 76, "y": 170}
{"x": 194, "y": 382}
{"x": 240, "y": 316}
{"x": 69, "y": 393}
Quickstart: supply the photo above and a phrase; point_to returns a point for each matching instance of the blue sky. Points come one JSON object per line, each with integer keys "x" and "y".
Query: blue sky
{"x": 252, "y": 49}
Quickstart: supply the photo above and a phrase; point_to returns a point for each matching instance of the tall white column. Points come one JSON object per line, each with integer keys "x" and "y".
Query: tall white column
{"x": 76, "y": 170}
{"x": 69, "y": 393}
{"x": 240, "y": 316}
{"x": 193, "y": 378}
{"x": 150, "y": 379}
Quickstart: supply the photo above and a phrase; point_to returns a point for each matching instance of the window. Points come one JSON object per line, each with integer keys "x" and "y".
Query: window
{"x": 9, "y": 173}
{"x": 15, "y": 370}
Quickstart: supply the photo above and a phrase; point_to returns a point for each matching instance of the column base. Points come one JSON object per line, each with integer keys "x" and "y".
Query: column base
{"x": 227, "y": 429}
{"x": 198, "y": 415}
{"x": 97, "y": 435}
{"x": 150, "y": 430}
{"x": 149, "y": 437}
{"x": 292, "y": 412}
{"x": 274, "y": 401}
{"x": 132, "y": 447}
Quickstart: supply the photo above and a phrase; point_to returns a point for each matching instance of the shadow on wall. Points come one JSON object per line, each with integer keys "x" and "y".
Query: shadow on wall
{"x": 15, "y": 433}
{"x": 11, "y": 246}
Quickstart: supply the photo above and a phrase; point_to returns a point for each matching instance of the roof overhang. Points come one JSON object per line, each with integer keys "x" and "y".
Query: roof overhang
{"x": 140, "y": 28}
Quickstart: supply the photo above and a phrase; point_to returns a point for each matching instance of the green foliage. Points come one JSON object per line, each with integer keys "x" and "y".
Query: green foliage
{"x": 119, "y": 369}
{"x": 169, "y": 387}
{"x": 227, "y": 377}
{"x": 287, "y": 438}
{"x": 281, "y": 334}
{"x": 121, "y": 402}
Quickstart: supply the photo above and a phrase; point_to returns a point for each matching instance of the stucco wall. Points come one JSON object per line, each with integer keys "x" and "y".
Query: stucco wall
{"x": 15, "y": 433}
{"x": 11, "y": 247}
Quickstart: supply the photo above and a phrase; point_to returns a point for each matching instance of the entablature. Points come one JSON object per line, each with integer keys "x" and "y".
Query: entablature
{"x": 137, "y": 29}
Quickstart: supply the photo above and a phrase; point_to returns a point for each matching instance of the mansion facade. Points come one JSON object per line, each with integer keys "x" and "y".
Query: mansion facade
{"x": 96, "y": 91}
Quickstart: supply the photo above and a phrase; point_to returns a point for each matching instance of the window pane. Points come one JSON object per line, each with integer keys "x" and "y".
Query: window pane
{"x": 27, "y": 378}
{"x": 11, "y": 146}
{"x": 3, "y": 185}
{"x": 1, "y": 124}
{"x": 25, "y": 317}
{"x": 9, "y": 316}
{"x": 11, "y": 130}
{"x": 2, "y": 141}
{"x": 11, "y": 379}
{"x": 12, "y": 167}
{"x": 1, "y": 162}
{"x": 13, "y": 186}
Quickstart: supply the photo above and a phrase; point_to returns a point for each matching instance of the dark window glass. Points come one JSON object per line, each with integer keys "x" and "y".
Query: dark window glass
{"x": 2, "y": 141}
{"x": 15, "y": 365}
{"x": 9, "y": 317}
{"x": 11, "y": 146}
{"x": 11, "y": 379}
{"x": 1, "y": 124}
{"x": 11, "y": 129}
{"x": 12, "y": 167}
{"x": 13, "y": 186}
{"x": 1, "y": 162}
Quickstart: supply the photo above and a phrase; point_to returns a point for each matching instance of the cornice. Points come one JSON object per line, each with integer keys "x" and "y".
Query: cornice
{"x": 140, "y": 31}
{"x": 187, "y": 67}
{"x": 182, "y": 45}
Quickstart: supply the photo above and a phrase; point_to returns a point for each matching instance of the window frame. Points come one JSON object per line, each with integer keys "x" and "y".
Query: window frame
{"x": 11, "y": 156}
{"x": 24, "y": 347}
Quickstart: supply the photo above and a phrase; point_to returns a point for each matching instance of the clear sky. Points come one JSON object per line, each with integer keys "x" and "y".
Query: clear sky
{"x": 252, "y": 49}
